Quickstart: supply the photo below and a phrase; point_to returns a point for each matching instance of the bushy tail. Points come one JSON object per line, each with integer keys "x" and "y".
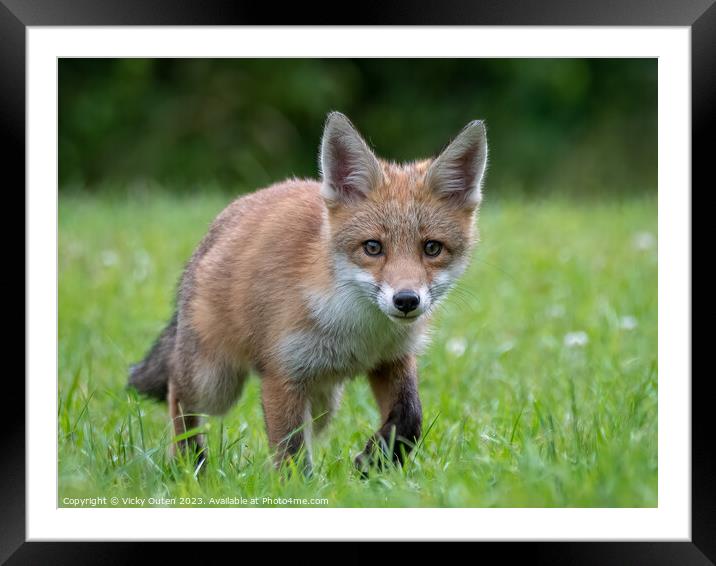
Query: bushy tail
{"x": 151, "y": 375}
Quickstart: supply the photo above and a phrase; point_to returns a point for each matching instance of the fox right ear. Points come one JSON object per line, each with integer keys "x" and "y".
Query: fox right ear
{"x": 348, "y": 167}
{"x": 458, "y": 171}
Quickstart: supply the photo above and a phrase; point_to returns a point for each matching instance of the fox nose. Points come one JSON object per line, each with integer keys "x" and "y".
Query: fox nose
{"x": 406, "y": 301}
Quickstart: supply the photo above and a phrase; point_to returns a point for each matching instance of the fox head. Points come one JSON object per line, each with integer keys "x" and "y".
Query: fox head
{"x": 401, "y": 234}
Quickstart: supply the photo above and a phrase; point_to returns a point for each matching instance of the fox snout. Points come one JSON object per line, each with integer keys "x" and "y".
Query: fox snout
{"x": 407, "y": 303}
{"x": 406, "y": 300}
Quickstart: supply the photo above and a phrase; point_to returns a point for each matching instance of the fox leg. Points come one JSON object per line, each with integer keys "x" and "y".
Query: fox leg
{"x": 395, "y": 386}
{"x": 287, "y": 413}
{"x": 182, "y": 423}
{"x": 324, "y": 404}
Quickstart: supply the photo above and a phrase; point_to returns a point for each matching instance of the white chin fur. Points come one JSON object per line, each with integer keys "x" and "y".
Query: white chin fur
{"x": 403, "y": 319}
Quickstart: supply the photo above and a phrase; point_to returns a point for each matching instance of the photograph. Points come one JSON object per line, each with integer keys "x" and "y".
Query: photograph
{"x": 357, "y": 282}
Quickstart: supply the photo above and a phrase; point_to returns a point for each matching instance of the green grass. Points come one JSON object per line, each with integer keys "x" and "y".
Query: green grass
{"x": 519, "y": 411}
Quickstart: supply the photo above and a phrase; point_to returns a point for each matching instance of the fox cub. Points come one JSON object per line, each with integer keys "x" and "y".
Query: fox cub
{"x": 309, "y": 283}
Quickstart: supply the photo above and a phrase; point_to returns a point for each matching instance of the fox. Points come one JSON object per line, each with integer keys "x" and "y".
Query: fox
{"x": 310, "y": 283}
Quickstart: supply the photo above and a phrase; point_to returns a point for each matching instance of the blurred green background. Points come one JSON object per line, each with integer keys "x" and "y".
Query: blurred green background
{"x": 572, "y": 126}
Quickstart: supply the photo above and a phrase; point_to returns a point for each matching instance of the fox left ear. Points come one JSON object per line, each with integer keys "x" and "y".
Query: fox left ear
{"x": 349, "y": 168}
{"x": 458, "y": 171}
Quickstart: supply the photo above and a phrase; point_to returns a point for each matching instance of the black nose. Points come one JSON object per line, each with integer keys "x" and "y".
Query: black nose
{"x": 406, "y": 301}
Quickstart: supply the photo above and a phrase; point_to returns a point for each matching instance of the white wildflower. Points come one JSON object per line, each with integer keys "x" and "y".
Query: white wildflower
{"x": 628, "y": 323}
{"x": 644, "y": 241}
{"x": 556, "y": 311}
{"x": 456, "y": 346}
{"x": 575, "y": 339}
{"x": 109, "y": 258}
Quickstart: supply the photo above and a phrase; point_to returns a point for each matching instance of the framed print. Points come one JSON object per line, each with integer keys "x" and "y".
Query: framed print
{"x": 359, "y": 282}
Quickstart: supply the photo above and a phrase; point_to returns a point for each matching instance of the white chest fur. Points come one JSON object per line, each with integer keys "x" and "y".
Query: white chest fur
{"x": 348, "y": 335}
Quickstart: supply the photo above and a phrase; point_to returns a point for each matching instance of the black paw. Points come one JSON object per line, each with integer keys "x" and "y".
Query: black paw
{"x": 379, "y": 455}
{"x": 363, "y": 463}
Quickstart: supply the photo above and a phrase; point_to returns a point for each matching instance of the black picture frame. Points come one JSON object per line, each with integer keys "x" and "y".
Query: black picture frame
{"x": 17, "y": 15}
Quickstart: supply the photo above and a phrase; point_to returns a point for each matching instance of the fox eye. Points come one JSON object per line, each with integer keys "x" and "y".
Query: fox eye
{"x": 433, "y": 248}
{"x": 372, "y": 247}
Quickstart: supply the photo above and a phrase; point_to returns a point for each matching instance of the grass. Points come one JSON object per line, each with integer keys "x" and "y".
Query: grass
{"x": 539, "y": 389}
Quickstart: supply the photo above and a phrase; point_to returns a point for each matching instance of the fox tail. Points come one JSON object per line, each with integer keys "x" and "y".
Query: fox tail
{"x": 151, "y": 375}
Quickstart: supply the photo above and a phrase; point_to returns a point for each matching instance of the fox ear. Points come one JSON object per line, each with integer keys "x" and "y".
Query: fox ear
{"x": 348, "y": 167}
{"x": 457, "y": 172}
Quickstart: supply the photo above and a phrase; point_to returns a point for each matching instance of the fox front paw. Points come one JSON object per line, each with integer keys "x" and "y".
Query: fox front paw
{"x": 378, "y": 454}
{"x": 363, "y": 463}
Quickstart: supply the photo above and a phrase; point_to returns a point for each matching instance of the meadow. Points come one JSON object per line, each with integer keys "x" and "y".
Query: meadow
{"x": 539, "y": 388}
